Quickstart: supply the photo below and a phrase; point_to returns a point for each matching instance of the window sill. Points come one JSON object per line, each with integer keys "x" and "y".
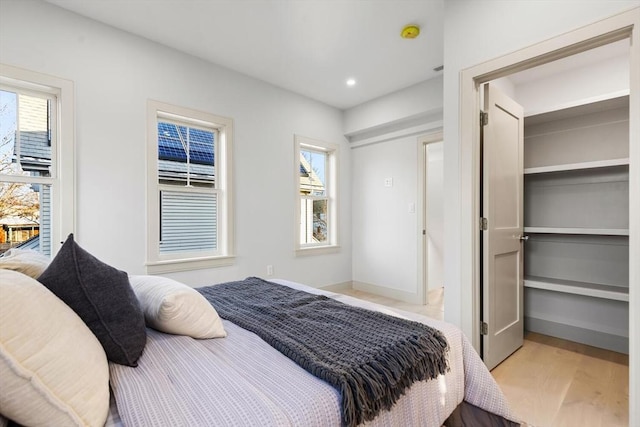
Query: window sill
{"x": 318, "y": 250}
{"x": 170, "y": 266}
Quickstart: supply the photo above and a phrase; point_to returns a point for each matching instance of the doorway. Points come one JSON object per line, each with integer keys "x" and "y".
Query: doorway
{"x": 431, "y": 174}
{"x": 619, "y": 27}
{"x": 574, "y": 200}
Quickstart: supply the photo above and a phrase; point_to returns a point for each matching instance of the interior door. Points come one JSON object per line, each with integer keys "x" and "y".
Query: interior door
{"x": 502, "y": 207}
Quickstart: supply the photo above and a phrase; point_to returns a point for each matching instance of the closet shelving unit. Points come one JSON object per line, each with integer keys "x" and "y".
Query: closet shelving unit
{"x": 576, "y": 199}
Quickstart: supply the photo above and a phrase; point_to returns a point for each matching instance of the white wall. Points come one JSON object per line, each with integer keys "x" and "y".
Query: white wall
{"x": 114, "y": 74}
{"x": 386, "y": 236}
{"x": 384, "y": 140}
{"x": 476, "y": 31}
{"x": 384, "y": 231}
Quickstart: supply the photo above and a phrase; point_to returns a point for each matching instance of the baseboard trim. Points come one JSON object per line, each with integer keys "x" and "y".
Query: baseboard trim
{"x": 590, "y": 337}
{"x": 404, "y": 296}
{"x": 338, "y": 287}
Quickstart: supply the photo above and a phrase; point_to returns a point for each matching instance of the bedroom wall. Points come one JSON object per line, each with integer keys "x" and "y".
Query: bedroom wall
{"x": 115, "y": 73}
{"x": 384, "y": 144}
{"x": 384, "y": 231}
{"x": 476, "y": 31}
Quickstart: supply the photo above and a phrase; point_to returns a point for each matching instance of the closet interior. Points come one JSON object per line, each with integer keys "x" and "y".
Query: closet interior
{"x": 576, "y": 214}
{"x": 576, "y": 196}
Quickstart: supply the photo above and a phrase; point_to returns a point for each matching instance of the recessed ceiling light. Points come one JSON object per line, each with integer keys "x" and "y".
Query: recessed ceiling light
{"x": 351, "y": 82}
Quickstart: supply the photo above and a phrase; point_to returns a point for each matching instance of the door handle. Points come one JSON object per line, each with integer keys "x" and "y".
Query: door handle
{"x": 524, "y": 238}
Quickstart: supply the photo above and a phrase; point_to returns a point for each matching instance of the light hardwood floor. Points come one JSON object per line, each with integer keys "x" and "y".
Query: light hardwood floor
{"x": 550, "y": 382}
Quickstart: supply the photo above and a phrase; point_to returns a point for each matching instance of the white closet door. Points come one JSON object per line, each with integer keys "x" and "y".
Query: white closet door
{"x": 502, "y": 201}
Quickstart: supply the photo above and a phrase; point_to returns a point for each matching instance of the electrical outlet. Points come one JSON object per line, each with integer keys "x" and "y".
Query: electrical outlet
{"x": 269, "y": 270}
{"x": 388, "y": 182}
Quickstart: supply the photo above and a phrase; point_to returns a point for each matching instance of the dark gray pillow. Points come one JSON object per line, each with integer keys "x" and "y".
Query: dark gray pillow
{"x": 103, "y": 298}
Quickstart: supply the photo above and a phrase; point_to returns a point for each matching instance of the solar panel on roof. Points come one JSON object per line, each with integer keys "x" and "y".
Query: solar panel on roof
{"x": 171, "y": 147}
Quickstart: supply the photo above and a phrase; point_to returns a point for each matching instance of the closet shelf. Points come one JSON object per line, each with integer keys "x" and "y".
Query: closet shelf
{"x": 577, "y": 166}
{"x": 578, "y": 107}
{"x": 595, "y": 290}
{"x": 569, "y": 230}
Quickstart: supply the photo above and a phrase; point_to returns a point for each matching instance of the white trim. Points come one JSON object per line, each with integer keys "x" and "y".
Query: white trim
{"x": 45, "y": 180}
{"x": 224, "y": 255}
{"x": 433, "y": 126}
{"x": 188, "y": 264}
{"x": 338, "y": 287}
{"x": 63, "y": 147}
{"x": 421, "y": 207}
{"x": 396, "y": 294}
{"x": 317, "y": 250}
{"x": 618, "y": 27}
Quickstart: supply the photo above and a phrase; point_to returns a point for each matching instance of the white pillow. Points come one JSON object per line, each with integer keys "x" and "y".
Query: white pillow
{"x": 26, "y": 261}
{"x": 175, "y": 308}
{"x": 53, "y": 370}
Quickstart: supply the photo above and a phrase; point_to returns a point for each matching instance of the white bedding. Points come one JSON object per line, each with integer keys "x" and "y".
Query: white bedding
{"x": 242, "y": 381}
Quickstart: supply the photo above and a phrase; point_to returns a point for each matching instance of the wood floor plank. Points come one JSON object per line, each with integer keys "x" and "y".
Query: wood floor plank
{"x": 617, "y": 396}
{"x": 535, "y": 380}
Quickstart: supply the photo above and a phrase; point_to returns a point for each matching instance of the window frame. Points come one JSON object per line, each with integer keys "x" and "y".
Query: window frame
{"x": 157, "y": 262}
{"x": 62, "y": 133}
{"x": 302, "y": 143}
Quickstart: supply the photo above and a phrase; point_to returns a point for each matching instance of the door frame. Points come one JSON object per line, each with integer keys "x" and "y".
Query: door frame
{"x": 625, "y": 25}
{"x": 423, "y": 252}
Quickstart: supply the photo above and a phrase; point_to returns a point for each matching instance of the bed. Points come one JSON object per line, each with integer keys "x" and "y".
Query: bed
{"x": 240, "y": 380}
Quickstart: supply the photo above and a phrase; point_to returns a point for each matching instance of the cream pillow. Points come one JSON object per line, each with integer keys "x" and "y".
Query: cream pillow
{"x": 26, "y": 261}
{"x": 53, "y": 370}
{"x": 175, "y": 308}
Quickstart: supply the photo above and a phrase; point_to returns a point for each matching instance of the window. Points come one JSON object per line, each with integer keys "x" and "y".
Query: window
{"x": 316, "y": 196}
{"x": 189, "y": 186}
{"x": 36, "y": 160}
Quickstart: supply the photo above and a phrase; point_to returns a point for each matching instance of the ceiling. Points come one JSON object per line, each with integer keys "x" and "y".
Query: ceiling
{"x": 310, "y": 47}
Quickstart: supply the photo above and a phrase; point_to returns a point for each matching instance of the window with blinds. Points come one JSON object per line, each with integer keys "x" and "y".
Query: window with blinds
{"x": 190, "y": 215}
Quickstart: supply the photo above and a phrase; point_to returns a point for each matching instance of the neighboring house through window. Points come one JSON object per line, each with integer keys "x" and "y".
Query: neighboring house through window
{"x": 316, "y": 195}
{"x": 190, "y": 223}
{"x": 36, "y": 160}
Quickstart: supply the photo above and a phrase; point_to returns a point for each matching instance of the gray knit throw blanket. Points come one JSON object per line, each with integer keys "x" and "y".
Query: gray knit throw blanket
{"x": 371, "y": 358}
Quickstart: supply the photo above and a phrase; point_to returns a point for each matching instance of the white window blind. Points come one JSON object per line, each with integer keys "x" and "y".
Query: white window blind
{"x": 188, "y": 221}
